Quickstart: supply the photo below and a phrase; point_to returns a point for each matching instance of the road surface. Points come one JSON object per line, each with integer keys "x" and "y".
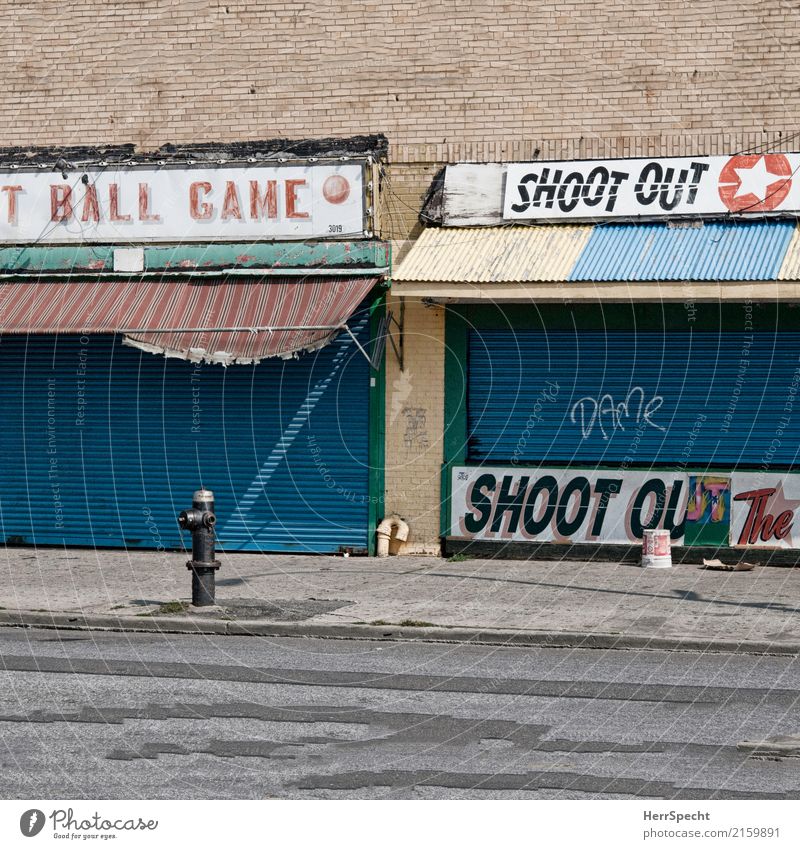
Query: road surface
{"x": 104, "y": 715}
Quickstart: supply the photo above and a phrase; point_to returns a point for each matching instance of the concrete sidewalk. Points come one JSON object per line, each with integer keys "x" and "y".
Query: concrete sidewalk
{"x": 553, "y": 603}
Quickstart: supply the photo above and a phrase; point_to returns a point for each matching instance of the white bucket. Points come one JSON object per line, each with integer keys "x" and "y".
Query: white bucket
{"x": 656, "y": 552}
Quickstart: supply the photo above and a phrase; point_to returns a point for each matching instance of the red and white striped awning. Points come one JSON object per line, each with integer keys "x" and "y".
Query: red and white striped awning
{"x": 220, "y": 320}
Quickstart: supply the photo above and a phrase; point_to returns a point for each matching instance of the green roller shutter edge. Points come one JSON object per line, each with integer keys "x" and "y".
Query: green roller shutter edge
{"x": 377, "y": 425}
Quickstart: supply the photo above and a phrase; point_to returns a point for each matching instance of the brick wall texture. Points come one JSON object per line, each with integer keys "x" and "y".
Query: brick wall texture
{"x": 618, "y": 73}
{"x": 485, "y": 80}
{"x": 415, "y": 425}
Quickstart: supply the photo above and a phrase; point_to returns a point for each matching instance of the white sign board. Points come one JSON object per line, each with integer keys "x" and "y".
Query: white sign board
{"x": 746, "y": 509}
{"x": 182, "y": 204}
{"x": 565, "y": 505}
{"x": 637, "y": 188}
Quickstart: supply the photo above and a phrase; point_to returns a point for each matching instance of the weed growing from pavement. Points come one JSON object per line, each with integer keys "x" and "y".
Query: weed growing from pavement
{"x": 458, "y": 558}
{"x": 167, "y": 609}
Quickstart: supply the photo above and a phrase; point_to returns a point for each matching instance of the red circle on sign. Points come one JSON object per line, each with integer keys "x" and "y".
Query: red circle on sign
{"x": 775, "y": 164}
{"x": 336, "y": 189}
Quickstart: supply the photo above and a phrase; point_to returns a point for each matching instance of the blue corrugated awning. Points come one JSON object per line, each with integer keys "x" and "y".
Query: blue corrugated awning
{"x": 713, "y": 251}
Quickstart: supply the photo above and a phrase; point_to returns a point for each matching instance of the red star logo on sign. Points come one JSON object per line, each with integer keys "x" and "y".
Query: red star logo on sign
{"x": 754, "y": 182}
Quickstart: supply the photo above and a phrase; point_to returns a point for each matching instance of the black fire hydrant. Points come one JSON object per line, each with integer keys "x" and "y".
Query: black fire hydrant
{"x": 200, "y": 520}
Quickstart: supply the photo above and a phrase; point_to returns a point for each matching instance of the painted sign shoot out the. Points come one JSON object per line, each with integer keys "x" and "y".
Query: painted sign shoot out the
{"x": 617, "y": 506}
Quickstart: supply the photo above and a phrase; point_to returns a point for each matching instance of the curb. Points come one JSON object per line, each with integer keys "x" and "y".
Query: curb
{"x": 474, "y": 636}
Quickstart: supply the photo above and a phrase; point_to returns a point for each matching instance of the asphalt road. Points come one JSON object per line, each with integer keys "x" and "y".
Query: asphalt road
{"x": 101, "y": 716}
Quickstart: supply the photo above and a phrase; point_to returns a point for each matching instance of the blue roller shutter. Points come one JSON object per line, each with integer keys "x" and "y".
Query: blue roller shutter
{"x": 103, "y": 445}
{"x": 691, "y": 398}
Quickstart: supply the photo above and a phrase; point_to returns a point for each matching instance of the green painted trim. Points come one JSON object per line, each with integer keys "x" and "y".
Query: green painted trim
{"x": 455, "y": 385}
{"x": 627, "y": 316}
{"x": 586, "y": 466}
{"x": 363, "y": 254}
{"x": 455, "y": 404}
{"x": 24, "y": 260}
{"x": 445, "y": 491}
{"x": 377, "y": 426}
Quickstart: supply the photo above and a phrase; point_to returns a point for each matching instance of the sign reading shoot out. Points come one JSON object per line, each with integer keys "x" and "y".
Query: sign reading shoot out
{"x": 629, "y": 188}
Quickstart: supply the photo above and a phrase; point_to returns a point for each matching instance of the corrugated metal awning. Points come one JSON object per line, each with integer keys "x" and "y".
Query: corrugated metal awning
{"x": 600, "y": 255}
{"x": 493, "y": 254}
{"x": 219, "y": 320}
{"x": 790, "y": 267}
{"x": 714, "y": 250}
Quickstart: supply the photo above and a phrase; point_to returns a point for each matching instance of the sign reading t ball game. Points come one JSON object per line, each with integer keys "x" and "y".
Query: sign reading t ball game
{"x": 203, "y": 204}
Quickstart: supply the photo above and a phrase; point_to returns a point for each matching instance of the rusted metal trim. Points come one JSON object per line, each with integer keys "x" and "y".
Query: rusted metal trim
{"x": 268, "y": 150}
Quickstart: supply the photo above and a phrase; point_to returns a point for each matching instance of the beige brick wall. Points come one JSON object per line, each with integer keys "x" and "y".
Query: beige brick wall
{"x": 440, "y": 78}
{"x": 415, "y": 425}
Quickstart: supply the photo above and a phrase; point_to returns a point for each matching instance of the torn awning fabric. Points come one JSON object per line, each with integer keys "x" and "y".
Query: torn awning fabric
{"x": 222, "y": 320}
